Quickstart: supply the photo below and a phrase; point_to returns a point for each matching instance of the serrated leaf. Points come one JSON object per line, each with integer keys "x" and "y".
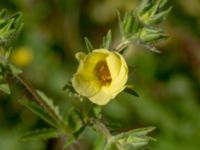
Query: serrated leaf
{"x": 49, "y": 102}
{"x": 4, "y": 87}
{"x": 129, "y": 89}
{"x": 107, "y": 40}
{"x": 88, "y": 45}
{"x": 41, "y": 134}
{"x": 38, "y": 110}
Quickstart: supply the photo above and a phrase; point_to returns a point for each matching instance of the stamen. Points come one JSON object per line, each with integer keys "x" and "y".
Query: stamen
{"x": 102, "y": 72}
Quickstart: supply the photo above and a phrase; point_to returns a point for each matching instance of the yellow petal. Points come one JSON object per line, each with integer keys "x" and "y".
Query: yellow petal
{"x": 114, "y": 64}
{"x": 120, "y": 80}
{"x": 80, "y": 56}
{"x": 91, "y": 60}
{"x": 101, "y": 98}
{"x": 85, "y": 85}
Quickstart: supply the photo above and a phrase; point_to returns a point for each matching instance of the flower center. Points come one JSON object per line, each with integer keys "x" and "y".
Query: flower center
{"x": 102, "y": 72}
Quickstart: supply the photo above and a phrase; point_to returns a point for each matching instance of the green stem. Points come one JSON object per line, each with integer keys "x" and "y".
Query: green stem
{"x": 102, "y": 128}
{"x": 38, "y": 99}
{"x": 123, "y": 44}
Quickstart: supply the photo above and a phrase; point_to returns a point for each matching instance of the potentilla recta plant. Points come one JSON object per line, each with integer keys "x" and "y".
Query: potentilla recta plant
{"x": 102, "y": 74}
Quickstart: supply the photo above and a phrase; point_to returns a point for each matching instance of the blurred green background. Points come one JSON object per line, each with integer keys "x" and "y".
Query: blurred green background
{"x": 168, "y": 83}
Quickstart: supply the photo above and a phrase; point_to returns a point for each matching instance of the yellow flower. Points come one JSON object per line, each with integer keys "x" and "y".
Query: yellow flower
{"x": 22, "y": 57}
{"x": 101, "y": 75}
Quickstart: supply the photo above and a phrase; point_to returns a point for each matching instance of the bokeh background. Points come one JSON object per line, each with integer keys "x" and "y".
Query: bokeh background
{"x": 168, "y": 83}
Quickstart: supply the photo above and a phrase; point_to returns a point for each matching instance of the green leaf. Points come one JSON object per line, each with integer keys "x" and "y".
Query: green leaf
{"x": 129, "y": 89}
{"x": 14, "y": 70}
{"x": 107, "y": 40}
{"x": 134, "y": 139}
{"x": 74, "y": 120}
{"x": 49, "y": 102}
{"x": 38, "y": 110}
{"x": 4, "y": 87}
{"x": 41, "y": 134}
{"x": 88, "y": 45}
{"x": 99, "y": 142}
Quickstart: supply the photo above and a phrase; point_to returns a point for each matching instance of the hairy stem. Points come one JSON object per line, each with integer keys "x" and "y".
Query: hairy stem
{"x": 123, "y": 44}
{"x": 38, "y": 99}
{"x": 103, "y": 128}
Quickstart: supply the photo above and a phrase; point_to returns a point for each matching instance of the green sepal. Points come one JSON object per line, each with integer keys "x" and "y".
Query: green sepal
{"x": 39, "y": 111}
{"x": 135, "y": 139}
{"x": 88, "y": 45}
{"x": 9, "y": 27}
{"x": 41, "y": 134}
{"x": 150, "y": 12}
{"x": 129, "y": 25}
{"x": 107, "y": 40}
{"x": 151, "y": 35}
{"x": 139, "y": 27}
{"x": 160, "y": 16}
{"x": 129, "y": 89}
